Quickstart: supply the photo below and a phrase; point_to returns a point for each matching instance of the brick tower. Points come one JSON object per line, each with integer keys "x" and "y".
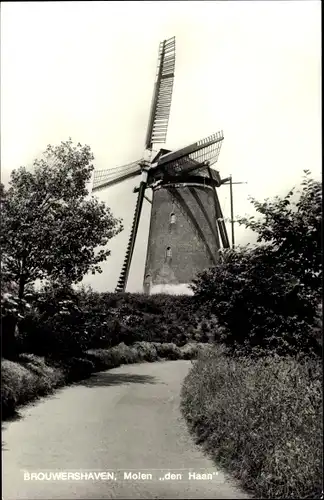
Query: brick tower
{"x": 183, "y": 238}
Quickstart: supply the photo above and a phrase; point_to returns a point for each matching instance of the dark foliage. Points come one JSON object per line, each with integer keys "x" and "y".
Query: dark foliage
{"x": 267, "y": 297}
{"x": 66, "y": 322}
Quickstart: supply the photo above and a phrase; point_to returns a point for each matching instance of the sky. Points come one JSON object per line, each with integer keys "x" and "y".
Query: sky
{"x": 86, "y": 70}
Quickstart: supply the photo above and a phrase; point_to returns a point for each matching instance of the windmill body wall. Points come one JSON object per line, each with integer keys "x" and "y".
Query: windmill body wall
{"x": 176, "y": 252}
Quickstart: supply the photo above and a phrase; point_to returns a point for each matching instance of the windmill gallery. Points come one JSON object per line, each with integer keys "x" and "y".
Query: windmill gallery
{"x": 187, "y": 228}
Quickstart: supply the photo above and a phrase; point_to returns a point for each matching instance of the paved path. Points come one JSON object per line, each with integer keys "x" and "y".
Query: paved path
{"x": 125, "y": 420}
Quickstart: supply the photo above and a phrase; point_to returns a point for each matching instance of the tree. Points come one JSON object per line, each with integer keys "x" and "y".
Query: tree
{"x": 293, "y": 229}
{"x": 267, "y": 295}
{"x": 50, "y": 228}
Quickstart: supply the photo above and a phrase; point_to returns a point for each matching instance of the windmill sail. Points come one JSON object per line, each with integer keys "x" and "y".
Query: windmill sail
{"x": 162, "y": 95}
{"x": 122, "y": 282}
{"x": 206, "y": 150}
{"x": 109, "y": 177}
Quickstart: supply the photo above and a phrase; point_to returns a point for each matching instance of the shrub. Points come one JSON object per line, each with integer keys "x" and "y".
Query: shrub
{"x": 142, "y": 351}
{"x": 21, "y": 384}
{"x": 78, "y": 369}
{"x": 124, "y": 354}
{"x": 66, "y": 322}
{"x": 12, "y": 309}
{"x": 266, "y": 296}
{"x": 190, "y": 350}
{"x": 168, "y": 351}
{"x": 55, "y": 326}
{"x": 103, "y": 359}
{"x": 146, "y": 351}
{"x": 258, "y": 304}
{"x": 31, "y": 358}
{"x": 17, "y": 384}
{"x": 260, "y": 419}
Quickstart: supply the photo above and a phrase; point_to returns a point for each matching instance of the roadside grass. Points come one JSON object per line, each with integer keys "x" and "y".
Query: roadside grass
{"x": 259, "y": 419}
{"x": 32, "y": 376}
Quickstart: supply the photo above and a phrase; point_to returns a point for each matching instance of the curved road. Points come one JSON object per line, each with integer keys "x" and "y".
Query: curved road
{"x": 123, "y": 421}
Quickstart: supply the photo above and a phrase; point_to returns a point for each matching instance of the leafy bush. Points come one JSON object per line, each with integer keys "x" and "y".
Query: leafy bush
{"x": 55, "y": 326}
{"x": 124, "y": 354}
{"x": 267, "y": 296}
{"x": 259, "y": 304}
{"x": 103, "y": 359}
{"x": 17, "y": 385}
{"x": 12, "y": 309}
{"x": 32, "y": 358}
{"x": 34, "y": 364}
{"x": 66, "y": 322}
{"x": 78, "y": 369}
{"x": 261, "y": 420}
{"x": 168, "y": 350}
{"x": 192, "y": 350}
{"x": 23, "y": 383}
{"x": 146, "y": 350}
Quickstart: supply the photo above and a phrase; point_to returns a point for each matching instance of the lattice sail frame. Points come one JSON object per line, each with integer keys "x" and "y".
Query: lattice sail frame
{"x": 207, "y": 155}
{"x": 162, "y": 95}
{"x": 201, "y": 152}
{"x": 108, "y": 177}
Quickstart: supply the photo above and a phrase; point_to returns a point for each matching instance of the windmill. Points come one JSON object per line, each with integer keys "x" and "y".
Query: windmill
{"x": 187, "y": 228}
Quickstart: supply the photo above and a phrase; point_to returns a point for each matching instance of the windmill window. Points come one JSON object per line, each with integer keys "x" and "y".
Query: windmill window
{"x": 168, "y": 252}
{"x": 173, "y": 218}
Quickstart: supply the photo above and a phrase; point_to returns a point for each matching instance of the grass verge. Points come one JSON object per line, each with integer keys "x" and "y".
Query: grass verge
{"x": 260, "y": 420}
